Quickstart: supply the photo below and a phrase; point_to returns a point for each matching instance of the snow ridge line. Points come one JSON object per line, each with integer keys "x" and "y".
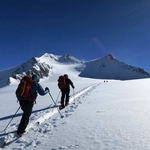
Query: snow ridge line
{"x": 54, "y": 111}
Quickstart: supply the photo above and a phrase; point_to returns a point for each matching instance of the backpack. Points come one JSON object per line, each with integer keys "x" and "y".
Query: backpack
{"x": 62, "y": 82}
{"x": 24, "y": 87}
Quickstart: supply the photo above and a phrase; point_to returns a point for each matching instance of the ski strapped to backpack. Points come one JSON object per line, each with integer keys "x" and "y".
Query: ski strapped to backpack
{"x": 24, "y": 87}
{"x": 62, "y": 82}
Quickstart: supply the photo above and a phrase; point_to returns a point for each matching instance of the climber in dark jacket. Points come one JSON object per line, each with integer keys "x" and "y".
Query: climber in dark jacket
{"x": 65, "y": 92}
{"x": 27, "y": 104}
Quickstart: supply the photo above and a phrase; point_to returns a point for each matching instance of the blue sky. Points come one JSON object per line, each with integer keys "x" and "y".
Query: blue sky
{"x": 86, "y": 29}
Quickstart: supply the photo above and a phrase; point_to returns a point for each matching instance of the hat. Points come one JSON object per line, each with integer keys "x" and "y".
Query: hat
{"x": 66, "y": 75}
{"x": 36, "y": 78}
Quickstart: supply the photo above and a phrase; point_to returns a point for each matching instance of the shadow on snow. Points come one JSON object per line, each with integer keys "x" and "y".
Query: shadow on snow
{"x": 20, "y": 114}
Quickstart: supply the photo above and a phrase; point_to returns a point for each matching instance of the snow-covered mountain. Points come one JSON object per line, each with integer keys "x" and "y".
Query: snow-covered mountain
{"x": 46, "y": 65}
{"x": 42, "y": 66}
{"x": 33, "y": 66}
{"x": 110, "y": 68}
{"x": 68, "y": 59}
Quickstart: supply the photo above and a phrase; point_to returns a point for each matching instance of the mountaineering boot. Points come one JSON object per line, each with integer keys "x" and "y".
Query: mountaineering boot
{"x": 21, "y": 134}
{"x": 67, "y": 104}
{"x": 61, "y": 107}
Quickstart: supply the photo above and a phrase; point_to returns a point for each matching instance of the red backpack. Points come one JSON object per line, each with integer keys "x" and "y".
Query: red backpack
{"x": 24, "y": 87}
{"x": 62, "y": 82}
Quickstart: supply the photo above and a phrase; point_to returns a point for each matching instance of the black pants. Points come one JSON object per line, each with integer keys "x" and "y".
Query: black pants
{"x": 26, "y": 106}
{"x": 64, "y": 95}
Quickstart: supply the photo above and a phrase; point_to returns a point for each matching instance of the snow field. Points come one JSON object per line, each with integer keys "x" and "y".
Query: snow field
{"x": 105, "y": 116}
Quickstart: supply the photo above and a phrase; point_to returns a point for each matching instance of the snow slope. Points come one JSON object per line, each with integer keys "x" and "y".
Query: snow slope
{"x": 110, "y": 68}
{"x": 4, "y": 76}
{"x": 111, "y": 115}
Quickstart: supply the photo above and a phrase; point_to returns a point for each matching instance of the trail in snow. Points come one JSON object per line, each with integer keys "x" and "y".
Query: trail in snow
{"x": 53, "y": 110}
{"x": 44, "y": 115}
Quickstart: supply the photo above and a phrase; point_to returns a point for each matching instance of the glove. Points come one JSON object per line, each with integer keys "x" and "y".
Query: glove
{"x": 73, "y": 87}
{"x": 47, "y": 89}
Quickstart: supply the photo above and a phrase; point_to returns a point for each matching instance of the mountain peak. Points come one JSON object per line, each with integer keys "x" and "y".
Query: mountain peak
{"x": 110, "y": 68}
{"x": 30, "y": 67}
{"x": 110, "y": 56}
{"x": 67, "y": 58}
{"x": 51, "y": 56}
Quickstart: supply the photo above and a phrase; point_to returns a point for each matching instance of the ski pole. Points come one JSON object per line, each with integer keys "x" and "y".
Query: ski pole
{"x": 12, "y": 118}
{"x": 57, "y": 97}
{"x": 55, "y": 105}
{"x": 73, "y": 96}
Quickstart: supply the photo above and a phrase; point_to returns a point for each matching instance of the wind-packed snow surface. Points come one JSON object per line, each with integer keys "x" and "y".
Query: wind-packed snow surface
{"x": 113, "y": 115}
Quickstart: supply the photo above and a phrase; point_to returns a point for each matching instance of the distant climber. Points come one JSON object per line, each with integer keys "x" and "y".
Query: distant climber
{"x": 64, "y": 85}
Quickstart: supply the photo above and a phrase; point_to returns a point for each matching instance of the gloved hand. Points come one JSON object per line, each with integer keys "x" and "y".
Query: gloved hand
{"x": 47, "y": 89}
{"x": 73, "y": 87}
